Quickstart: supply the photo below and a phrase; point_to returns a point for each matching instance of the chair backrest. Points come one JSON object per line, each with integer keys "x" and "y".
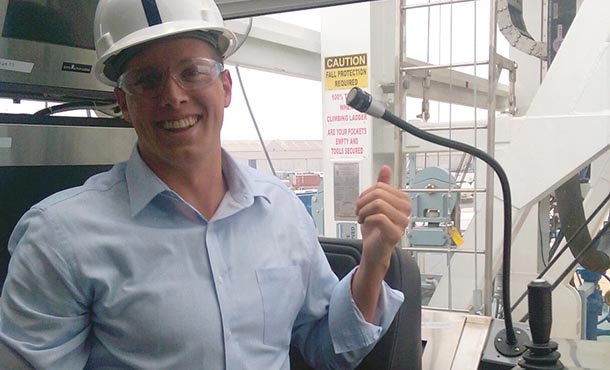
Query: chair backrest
{"x": 401, "y": 346}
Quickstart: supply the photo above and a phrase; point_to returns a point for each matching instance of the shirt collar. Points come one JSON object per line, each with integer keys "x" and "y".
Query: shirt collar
{"x": 144, "y": 185}
{"x": 243, "y": 189}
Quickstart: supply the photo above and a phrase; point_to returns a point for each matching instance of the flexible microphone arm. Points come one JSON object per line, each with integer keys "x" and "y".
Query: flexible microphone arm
{"x": 506, "y": 341}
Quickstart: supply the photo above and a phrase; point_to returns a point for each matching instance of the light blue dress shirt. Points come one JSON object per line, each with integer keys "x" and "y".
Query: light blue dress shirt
{"x": 122, "y": 273}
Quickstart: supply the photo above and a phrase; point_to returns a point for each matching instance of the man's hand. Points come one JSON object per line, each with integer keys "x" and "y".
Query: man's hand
{"x": 383, "y": 212}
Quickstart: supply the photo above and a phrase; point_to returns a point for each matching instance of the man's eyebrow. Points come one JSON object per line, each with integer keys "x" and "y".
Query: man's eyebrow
{"x": 181, "y": 61}
{"x": 144, "y": 69}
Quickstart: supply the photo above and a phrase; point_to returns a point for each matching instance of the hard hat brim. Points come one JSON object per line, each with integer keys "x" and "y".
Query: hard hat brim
{"x": 227, "y": 42}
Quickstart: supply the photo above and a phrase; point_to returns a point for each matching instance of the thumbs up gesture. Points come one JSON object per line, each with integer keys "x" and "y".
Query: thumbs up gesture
{"x": 383, "y": 211}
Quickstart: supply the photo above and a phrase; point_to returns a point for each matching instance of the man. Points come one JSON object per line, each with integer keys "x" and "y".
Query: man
{"x": 180, "y": 258}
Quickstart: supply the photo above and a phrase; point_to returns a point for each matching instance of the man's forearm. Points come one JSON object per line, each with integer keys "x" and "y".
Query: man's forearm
{"x": 366, "y": 287}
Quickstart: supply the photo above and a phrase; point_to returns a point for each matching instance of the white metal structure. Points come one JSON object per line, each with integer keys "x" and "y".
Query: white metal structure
{"x": 565, "y": 128}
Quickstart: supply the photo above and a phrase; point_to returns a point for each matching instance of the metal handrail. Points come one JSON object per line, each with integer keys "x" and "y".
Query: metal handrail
{"x": 437, "y": 3}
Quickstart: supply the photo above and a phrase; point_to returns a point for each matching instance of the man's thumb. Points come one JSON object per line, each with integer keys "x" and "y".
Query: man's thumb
{"x": 385, "y": 174}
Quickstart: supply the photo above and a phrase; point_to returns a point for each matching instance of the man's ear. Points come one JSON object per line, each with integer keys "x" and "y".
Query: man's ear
{"x": 227, "y": 85}
{"x": 120, "y": 98}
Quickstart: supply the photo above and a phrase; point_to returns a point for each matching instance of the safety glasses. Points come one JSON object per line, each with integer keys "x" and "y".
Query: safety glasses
{"x": 189, "y": 74}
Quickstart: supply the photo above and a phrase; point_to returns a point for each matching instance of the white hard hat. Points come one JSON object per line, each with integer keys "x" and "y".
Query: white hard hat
{"x": 122, "y": 24}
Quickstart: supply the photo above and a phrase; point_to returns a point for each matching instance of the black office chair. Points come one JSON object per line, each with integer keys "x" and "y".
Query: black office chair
{"x": 401, "y": 346}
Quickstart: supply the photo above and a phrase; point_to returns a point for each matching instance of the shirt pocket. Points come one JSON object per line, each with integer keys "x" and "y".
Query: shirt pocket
{"x": 282, "y": 295}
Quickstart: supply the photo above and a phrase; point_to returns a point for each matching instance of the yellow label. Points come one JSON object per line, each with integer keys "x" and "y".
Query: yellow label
{"x": 456, "y": 236}
{"x": 346, "y": 71}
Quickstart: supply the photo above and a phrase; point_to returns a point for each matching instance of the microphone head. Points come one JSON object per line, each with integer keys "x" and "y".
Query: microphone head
{"x": 359, "y": 99}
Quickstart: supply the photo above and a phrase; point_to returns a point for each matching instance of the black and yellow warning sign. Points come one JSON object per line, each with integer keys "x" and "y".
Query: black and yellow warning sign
{"x": 346, "y": 71}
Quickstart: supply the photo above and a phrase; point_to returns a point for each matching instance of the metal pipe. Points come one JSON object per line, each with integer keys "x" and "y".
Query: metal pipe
{"x": 491, "y": 140}
{"x": 453, "y": 128}
{"x": 442, "y": 66}
{"x": 455, "y": 190}
{"x": 442, "y": 250}
{"x": 444, "y": 2}
{"x": 430, "y": 308}
{"x": 399, "y": 93}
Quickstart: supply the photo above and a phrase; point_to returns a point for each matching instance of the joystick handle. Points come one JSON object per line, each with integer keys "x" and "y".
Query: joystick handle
{"x": 540, "y": 310}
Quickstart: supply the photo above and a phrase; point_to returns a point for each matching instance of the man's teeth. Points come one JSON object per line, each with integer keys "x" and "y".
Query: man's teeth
{"x": 181, "y": 123}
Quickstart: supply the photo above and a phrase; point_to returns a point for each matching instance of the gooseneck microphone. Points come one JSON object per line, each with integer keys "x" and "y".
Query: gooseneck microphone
{"x": 506, "y": 342}
{"x": 363, "y": 102}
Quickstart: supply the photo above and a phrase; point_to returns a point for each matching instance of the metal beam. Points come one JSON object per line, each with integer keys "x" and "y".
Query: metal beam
{"x": 232, "y": 9}
{"x": 276, "y": 46}
{"x": 451, "y": 86}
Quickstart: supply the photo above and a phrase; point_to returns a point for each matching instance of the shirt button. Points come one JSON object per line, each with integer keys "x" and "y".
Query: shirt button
{"x": 228, "y": 334}
{"x": 220, "y": 280}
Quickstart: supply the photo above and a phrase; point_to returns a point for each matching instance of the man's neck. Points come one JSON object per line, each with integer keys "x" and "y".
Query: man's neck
{"x": 202, "y": 185}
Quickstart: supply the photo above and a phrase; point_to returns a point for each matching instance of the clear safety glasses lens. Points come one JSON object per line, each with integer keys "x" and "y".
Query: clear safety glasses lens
{"x": 190, "y": 74}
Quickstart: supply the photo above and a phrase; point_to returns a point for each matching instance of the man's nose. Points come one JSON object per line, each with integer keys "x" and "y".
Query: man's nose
{"x": 172, "y": 93}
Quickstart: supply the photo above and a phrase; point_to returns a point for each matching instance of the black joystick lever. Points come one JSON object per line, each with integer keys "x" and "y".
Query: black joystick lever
{"x": 541, "y": 352}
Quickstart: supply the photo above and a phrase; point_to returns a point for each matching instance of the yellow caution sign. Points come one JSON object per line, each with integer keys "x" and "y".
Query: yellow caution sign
{"x": 346, "y": 71}
{"x": 456, "y": 236}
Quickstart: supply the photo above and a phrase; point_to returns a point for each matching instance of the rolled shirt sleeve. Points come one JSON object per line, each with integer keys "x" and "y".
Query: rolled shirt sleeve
{"x": 330, "y": 331}
{"x": 348, "y": 328}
